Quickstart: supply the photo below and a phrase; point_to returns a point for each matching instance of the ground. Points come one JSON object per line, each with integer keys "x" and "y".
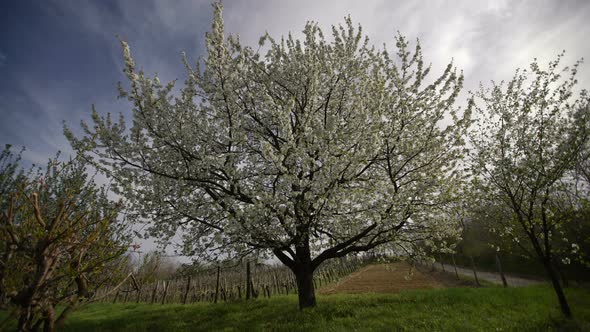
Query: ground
{"x": 392, "y": 278}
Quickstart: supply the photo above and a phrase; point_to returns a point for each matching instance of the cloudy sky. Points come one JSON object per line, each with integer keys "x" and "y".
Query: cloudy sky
{"x": 58, "y": 57}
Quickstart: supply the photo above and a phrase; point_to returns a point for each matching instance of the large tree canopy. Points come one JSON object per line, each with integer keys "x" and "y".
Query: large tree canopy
{"x": 312, "y": 151}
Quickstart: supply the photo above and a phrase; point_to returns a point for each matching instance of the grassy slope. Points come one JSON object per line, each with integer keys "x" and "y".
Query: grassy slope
{"x": 463, "y": 309}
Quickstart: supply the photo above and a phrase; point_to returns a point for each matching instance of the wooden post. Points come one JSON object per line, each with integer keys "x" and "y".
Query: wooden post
{"x": 217, "y": 284}
{"x": 106, "y": 290}
{"x": 138, "y": 295}
{"x": 248, "y": 281}
{"x": 116, "y": 296}
{"x": 455, "y": 266}
{"x": 188, "y": 287}
{"x": 276, "y": 285}
{"x": 254, "y": 292}
{"x": 166, "y": 284}
{"x": 155, "y": 292}
{"x": 474, "y": 271}
{"x": 126, "y": 296}
{"x": 501, "y": 271}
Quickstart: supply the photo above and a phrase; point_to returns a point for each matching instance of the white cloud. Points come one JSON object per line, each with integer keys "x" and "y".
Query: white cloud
{"x": 487, "y": 39}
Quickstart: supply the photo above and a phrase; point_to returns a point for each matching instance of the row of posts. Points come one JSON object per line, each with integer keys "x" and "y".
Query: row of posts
{"x": 474, "y": 269}
{"x": 191, "y": 289}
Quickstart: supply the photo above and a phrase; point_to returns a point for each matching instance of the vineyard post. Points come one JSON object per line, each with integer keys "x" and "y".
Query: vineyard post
{"x": 100, "y": 293}
{"x": 155, "y": 292}
{"x": 474, "y": 271}
{"x": 138, "y": 288}
{"x": 248, "y": 276}
{"x": 501, "y": 271}
{"x": 188, "y": 287}
{"x": 116, "y": 296}
{"x": 199, "y": 289}
{"x": 166, "y": 284}
{"x": 217, "y": 284}
{"x": 125, "y": 296}
{"x": 455, "y": 265}
{"x": 252, "y": 290}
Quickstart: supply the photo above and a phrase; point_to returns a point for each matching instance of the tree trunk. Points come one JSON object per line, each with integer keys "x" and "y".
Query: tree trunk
{"x": 24, "y": 300}
{"x": 49, "y": 320}
{"x": 59, "y": 323}
{"x": 565, "y": 308}
{"x": 305, "y": 289}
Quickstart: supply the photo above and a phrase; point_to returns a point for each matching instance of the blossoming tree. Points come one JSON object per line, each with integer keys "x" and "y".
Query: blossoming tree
{"x": 527, "y": 139}
{"x": 310, "y": 152}
{"x": 60, "y": 241}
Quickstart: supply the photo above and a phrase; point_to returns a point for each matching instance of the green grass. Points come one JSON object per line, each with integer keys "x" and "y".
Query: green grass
{"x": 453, "y": 309}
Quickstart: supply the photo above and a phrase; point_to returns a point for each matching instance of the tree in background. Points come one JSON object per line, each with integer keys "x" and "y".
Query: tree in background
{"x": 528, "y": 136}
{"x": 155, "y": 266}
{"x": 59, "y": 235}
{"x": 580, "y": 198}
{"x": 311, "y": 152}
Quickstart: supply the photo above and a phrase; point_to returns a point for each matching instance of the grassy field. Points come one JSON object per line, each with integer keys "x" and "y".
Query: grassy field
{"x": 450, "y": 309}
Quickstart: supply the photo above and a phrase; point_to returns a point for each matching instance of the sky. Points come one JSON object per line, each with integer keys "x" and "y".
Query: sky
{"x": 59, "y": 57}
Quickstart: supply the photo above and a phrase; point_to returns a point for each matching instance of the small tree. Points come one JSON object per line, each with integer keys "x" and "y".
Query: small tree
{"x": 529, "y": 134}
{"x": 311, "y": 152}
{"x": 59, "y": 234}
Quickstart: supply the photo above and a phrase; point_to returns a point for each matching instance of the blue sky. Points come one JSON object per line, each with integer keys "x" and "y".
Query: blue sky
{"x": 58, "y": 57}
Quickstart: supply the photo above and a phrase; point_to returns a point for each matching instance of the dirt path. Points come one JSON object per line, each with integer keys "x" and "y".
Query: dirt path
{"x": 392, "y": 278}
{"x": 493, "y": 277}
